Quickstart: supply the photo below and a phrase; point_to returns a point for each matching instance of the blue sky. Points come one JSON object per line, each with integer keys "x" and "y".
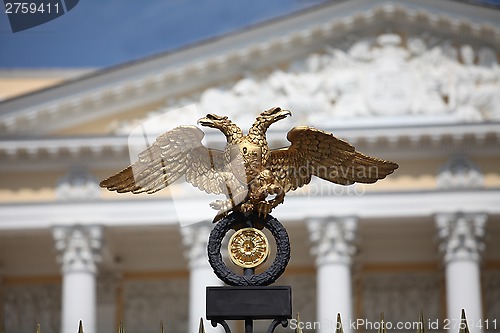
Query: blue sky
{"x": 102, "y": 33}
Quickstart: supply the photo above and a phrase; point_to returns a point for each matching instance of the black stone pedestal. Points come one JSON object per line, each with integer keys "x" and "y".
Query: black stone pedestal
{"x": 249, "y": 303}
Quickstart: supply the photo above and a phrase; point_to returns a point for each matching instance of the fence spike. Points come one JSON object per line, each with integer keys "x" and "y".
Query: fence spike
{"x": 120, "y": 327}
{"x": 37, "y": 328}
{"x": 464, "y": 328}
{"x": 381, "y": 329}
{"x": 80, "y": 327}
{"x": 297, "y": 328}
{"x": 340, "y": 328}
{"x": 202, "y": 328}
{"x": 421, "y": 323}
{"x": 161, "y": 327}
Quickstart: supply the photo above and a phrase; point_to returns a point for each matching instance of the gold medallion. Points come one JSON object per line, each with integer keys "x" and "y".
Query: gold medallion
{"x": 248, "y": 248}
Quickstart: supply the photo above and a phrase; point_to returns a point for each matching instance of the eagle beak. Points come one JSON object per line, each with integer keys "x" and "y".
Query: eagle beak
{"x": 283, "y": 114}
{"x": 206, "y": 122}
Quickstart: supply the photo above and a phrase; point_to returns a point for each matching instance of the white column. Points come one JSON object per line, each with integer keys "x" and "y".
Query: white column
{"x": 78, "y": 249}
{"x": 461, "y": 243}
{"x": 201, "y": 275}
{"x": 333, "y": 247}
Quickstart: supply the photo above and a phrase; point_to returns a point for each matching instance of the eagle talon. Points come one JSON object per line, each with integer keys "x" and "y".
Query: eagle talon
{"x": 222, "y": 205}
{"x": 217, "y": 204}
{"x": 275, "y": 189}
{"x": 264, "y": 208}
{"x": 246, "y": 207}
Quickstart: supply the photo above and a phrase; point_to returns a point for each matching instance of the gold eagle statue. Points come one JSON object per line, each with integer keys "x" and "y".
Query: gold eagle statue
{"x": 253, "y": 177}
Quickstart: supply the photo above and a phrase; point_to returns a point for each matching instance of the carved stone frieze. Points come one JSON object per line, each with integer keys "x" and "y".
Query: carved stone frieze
{"x": 401, "y": 296}
{"x": 304, "y": 294}
{"x": 147, "y": 302}
{"x": 26, "y": 306}
{"x": 108, "y": 283}
{"x": 491, "y": 284}
{"x": 384, "y": 78}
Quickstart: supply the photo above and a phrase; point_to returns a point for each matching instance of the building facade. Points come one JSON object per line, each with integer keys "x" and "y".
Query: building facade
{"x": 415, "y": 82}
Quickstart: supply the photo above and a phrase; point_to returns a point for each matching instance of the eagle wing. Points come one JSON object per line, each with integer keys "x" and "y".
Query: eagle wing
{"x": 317, "y": 153}
{"x": 174, "y": 154}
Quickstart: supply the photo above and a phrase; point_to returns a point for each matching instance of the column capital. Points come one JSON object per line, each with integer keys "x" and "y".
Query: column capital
{"x": 333, "y": 239}
{"x": 78, "y": 247}
{"x": 461, "y": 235}
{"x": 195, "y": 238}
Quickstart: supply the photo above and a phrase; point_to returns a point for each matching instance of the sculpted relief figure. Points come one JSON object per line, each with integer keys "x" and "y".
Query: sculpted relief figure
{"x": 389, "y": 89}
{"x": 381, "y": 77}
{"x": 431, "y": 79}
{"x": 475, "y": 93}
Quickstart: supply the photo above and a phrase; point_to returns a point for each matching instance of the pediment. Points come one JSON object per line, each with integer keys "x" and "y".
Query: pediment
{"x": 357, "y": 63}
{"x": 379, "y": 80}
{"x": 382, "y": 80}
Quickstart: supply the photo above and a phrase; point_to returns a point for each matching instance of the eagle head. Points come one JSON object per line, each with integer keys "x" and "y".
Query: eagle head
{"x": 214, "y": 121}
{"x": 232, "y": 132}
{"x": 273, "y": 115}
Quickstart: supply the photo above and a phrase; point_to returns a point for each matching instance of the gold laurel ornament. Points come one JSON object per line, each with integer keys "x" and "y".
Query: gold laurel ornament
{"x": 248, "y": 248}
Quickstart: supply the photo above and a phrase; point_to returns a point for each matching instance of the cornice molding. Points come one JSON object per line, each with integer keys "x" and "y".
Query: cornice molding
{"x": 63, "y": 153}
{"x": 160, "y": 212}
{"x": 393, "y": 142}
{"x": 113, "y": 91}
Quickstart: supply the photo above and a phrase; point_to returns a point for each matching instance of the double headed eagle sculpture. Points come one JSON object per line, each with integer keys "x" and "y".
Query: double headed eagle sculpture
{"x": 253, "y": 177}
